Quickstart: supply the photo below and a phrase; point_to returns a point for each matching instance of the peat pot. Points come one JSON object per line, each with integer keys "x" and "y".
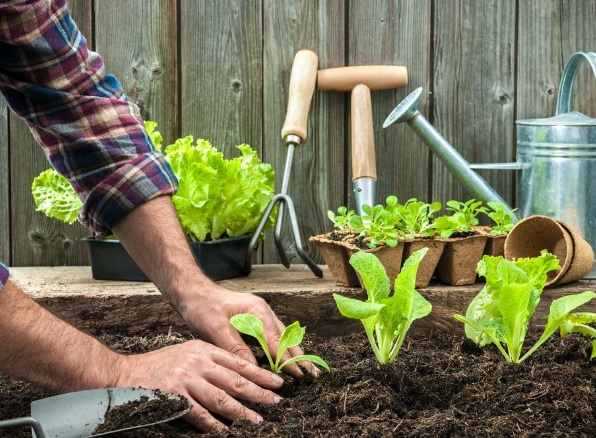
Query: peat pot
{"x": 218, "y": 259}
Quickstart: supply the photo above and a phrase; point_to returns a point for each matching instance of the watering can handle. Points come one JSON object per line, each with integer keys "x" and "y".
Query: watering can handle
{"x": 566, "y": 85}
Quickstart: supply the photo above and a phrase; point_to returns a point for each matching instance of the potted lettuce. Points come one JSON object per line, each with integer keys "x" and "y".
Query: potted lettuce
{"x": 219, "y": 203}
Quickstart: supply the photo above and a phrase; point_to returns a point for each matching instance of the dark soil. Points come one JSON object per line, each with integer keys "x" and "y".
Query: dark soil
{"x": 142, "y": 412}
{"x": 439, "y": 386}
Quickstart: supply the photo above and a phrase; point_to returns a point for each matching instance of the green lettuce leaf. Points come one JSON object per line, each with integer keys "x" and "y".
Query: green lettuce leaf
{"x": 219, "y": 197}
{"x": 55, "y": 197}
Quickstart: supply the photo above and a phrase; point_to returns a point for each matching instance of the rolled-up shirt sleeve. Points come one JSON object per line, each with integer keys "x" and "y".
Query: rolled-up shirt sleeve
{"x": 3, "y": 275}
{"x": 78, "y": 113}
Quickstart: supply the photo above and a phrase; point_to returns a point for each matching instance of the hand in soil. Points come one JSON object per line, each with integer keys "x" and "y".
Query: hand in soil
{"x": 211, "y": 378}
{"x": 210, "y": 317}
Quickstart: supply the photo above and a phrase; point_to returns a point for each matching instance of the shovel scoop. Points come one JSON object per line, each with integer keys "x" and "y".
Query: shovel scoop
{"x": 85, "y": 413}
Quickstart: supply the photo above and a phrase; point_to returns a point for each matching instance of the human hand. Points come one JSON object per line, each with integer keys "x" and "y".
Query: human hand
{"x": 212, "y": 379}
{"x": 210, "y": 317}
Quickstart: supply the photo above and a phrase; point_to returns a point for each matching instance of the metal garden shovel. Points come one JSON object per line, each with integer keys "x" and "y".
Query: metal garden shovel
{"x": 77, "y": 414}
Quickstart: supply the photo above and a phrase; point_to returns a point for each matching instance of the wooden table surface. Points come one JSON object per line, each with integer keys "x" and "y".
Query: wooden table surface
{"x": 294, "y": 294}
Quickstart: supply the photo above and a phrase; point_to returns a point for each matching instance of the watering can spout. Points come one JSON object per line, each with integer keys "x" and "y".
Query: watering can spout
{"x": 407, "y": 111}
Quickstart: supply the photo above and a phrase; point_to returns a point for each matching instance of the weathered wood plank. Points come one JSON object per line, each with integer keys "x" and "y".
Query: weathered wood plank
{"x": 539, "y": 31}
{"x": 579, "y": 34}
{"x": 318, "y": 169}
{"x": 397, "y": 32}
{"x": 142, "y": 53}
{"x": 474, "y": 89}
{"x": 35, "y": 239}
{"x": 221, "y": 68}
{"x": 4, "y": 185}
{"x": 294, "y": 294}
{"x": 221, "y": 75}
{"x": 549, "y": 32}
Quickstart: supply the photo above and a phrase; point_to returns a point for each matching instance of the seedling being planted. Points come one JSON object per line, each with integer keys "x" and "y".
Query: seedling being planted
{"x": 386, "y": 319}
{"x": 501, "y": 312}
{"x": 251, "y": 325}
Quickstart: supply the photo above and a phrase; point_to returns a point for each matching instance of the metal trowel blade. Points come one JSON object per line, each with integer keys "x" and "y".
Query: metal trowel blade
{"x": 77, "y": 414}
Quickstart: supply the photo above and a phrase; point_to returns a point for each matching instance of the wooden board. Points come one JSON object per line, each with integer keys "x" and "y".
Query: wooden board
{"x": 294, "y": 294}
{"x": 4, "y": 185}
{"x": 474, "y": 89}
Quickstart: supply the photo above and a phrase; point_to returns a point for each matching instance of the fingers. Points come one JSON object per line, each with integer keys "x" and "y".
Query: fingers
{"x": 222, "y": 384}
{"x": 253, "y": 374}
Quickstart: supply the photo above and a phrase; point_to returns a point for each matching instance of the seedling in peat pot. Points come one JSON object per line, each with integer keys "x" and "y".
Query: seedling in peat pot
{"x": 251, "y": 325}
{"x": 503, "y": 218}
{"x": 378, "y": 224}
{"x": 501, "y": 312}
{"x": 386, "y": 319}
{"x": 341, "y": 220}
{"x": 416, "y": 218}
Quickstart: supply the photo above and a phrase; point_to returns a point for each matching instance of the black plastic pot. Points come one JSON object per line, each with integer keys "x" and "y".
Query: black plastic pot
{"x": 218, "y": 259}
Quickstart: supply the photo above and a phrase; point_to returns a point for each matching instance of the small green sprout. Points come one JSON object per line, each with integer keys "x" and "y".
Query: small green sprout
{"x": 251, "y": 325}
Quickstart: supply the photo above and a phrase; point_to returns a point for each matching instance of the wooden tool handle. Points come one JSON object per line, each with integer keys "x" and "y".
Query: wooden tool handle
{"x": 363, "y": 140}
{"x": 302, "y": 85}
{"x": 375, "y": 77}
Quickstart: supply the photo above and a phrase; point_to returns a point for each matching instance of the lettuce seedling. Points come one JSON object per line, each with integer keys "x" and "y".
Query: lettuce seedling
{"x": 463, "y": 219}
{"x": 503, "y": 218}
{"x": 251, "y": 325}
{"x": 416, "y": 217}
{"x": 341, "y": 220}
{"x": 386, "y": 319}
{"x": 378, "y": 224}
{"x": 501, "y": 312}
{"x": 582, "y": 323}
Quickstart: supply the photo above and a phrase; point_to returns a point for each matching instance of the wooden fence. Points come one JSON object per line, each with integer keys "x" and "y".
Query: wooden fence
{"x": 219, "y": 70}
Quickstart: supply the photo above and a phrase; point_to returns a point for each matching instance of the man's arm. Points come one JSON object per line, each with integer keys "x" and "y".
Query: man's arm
{"x": 153, "y": 236}
{"x": 38, "y": 347}
{"x": 95, "y": 138}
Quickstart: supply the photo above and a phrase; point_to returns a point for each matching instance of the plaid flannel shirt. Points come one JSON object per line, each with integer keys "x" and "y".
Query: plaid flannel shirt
{"x": 78, "y": 113}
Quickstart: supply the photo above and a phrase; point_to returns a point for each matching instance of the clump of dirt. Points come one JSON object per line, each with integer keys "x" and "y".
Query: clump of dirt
{"x": 440, "y": 385}
{"x": 142, "y": 412}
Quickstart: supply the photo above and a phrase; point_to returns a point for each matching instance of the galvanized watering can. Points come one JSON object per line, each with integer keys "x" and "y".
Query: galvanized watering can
{"x": 556, "y": 159}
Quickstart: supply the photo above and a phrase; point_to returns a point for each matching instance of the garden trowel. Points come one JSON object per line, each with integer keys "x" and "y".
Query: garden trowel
{"x": 78, "y": 414}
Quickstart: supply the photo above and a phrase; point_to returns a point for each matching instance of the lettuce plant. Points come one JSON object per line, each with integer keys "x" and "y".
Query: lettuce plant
{"x": 251, "y": 325}
{"x": 582, "y": 323}
{"x": 216, "y": 198}
{"x": 385, "y": 318}
{"x": 501, "y": 312}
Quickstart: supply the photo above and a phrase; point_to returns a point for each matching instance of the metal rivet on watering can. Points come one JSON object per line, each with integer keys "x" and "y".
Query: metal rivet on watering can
{"x": 407, "y": 111}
